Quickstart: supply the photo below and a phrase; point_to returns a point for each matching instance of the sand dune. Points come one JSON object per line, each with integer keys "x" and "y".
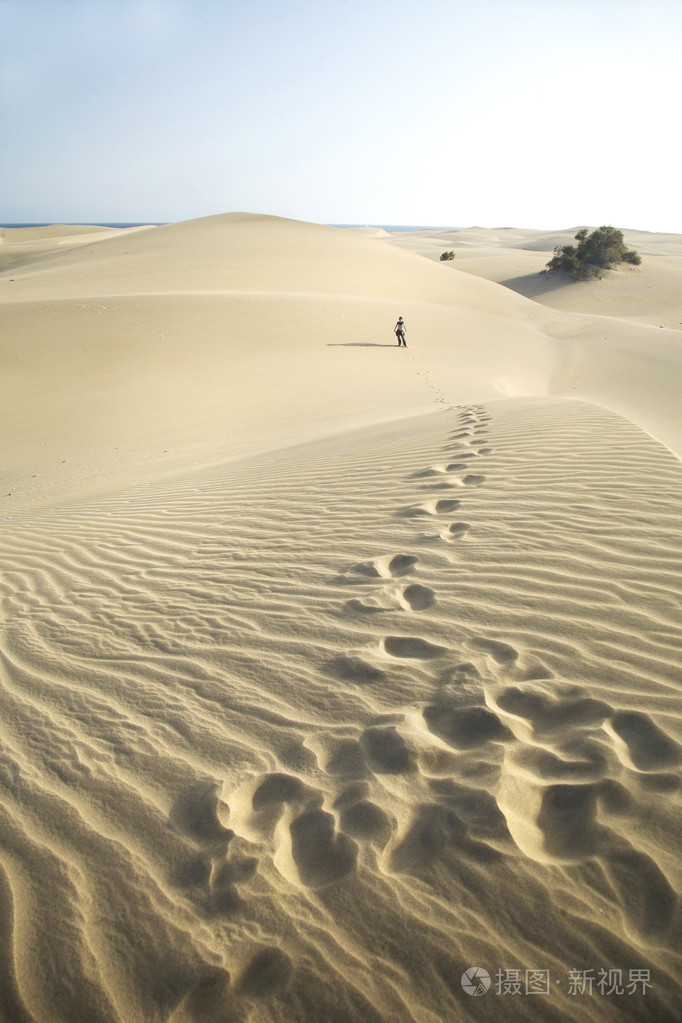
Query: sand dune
{"x": 648, "y": 294}
{"x": 168, "y": 334}
{"x": 331, "y": 671}
{"x": 140, "y": 350}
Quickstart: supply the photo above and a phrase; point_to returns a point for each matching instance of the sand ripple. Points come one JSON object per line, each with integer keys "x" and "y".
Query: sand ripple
{"x": 303, "y": 739}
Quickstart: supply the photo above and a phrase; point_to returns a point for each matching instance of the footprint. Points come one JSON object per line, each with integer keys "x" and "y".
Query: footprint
{"x": 362, "y": 818}
{"x": 413, "y": 512}
{"x": 298, "y": 757}
{"x": 269, "y": 972}
{"x": 457, "y": 529}
{"x": 269, "y": 799}
{"x": 386, "y": 751}
{"x": 473, "y": 480}
{"x": 567, "y": 820}
{"x": 387, "y": 567}
{"x": 419, "y": 597}
{"x": 276, "y": 789}
{"x": 210, "y": 879}
{"x": 448, "y": 482}
{"x": 580, "y": 761}
{"x": 195, "y": 814}
{"x": 463, "y": 672}
{"x": 353, "y": 669}
{"x": 442, "y": 507}
{"x": 224, "y": 898}
{"x": 322, "y": 856}
{"x": 476, "y": 807}
{"x": 465, "y": 727}
{"x": 215, "y": 997}
{"x": 346, "y": 760}
{"x": 547, "y": 714}
{"x": 412, "y": 647}
{"x": 432, "y": 470}
{"x": 368, "y": 568}
{"x": 433, "y": 828}
{"x": 353, "y": 793}
{"x": 560, "y": 821}
{"x": 435, "y": 833}
{"x": 502, "y": 653}
{"x": 401, "y": 564}
{"x": 377, "y": 602}
{"x": 365, "y": 820}
{"x": 649, "y": 747}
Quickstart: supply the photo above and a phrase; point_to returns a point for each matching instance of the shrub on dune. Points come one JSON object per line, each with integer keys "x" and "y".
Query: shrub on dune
{"x": 603, "y": 249}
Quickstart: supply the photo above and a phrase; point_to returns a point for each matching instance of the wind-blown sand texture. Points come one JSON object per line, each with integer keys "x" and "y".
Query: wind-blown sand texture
{"x": 330, "y": 671}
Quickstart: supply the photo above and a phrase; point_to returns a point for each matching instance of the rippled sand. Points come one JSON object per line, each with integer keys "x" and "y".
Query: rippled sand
{"x": 305, "y": 733}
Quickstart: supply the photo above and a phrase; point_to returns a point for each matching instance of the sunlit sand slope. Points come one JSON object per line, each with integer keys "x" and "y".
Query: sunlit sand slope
{"x": 135, "y": 353}
{"x": 306, "y": 736}
{"x": 162, "y": 348}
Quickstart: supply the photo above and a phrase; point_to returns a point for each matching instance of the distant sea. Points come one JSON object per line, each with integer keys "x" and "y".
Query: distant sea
{"x": 87, "y": 223}
{"x": 151, "y": 223}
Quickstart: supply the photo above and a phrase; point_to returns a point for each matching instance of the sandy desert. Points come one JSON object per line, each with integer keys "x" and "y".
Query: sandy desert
{"x": 332, "y": 672}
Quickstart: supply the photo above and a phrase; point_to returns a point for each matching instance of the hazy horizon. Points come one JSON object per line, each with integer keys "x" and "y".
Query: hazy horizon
{"x": 391, "y": 228}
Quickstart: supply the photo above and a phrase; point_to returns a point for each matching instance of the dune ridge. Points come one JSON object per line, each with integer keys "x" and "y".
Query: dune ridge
{"x": 372, "y": 678}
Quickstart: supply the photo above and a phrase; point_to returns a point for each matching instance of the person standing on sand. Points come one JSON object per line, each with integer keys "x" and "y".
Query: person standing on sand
{"x": 399, "y": 331}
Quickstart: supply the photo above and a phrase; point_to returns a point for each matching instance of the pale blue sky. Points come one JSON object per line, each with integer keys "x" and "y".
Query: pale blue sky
{"x": 526, "y": 113}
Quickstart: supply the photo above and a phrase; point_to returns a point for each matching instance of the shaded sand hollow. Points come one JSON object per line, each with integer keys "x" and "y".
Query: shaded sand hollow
{"x": 328, "y": 671}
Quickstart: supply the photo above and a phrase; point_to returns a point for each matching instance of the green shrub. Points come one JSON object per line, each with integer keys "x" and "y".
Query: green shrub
{"x": 601, "y": 250}
{"x": 448, "y": 255}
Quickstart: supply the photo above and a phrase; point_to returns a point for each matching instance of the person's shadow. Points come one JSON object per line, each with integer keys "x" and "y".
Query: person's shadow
{"x": 357, "y": 344}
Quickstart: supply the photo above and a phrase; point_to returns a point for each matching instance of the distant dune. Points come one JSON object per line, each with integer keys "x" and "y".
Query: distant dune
{"x": 329, "y": 670}
{"x": 648, "y": 294}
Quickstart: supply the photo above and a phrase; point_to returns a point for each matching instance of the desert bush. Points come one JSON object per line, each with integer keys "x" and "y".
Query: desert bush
{"x": 448, "y": 255}
{"x": 601, "y": 250}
